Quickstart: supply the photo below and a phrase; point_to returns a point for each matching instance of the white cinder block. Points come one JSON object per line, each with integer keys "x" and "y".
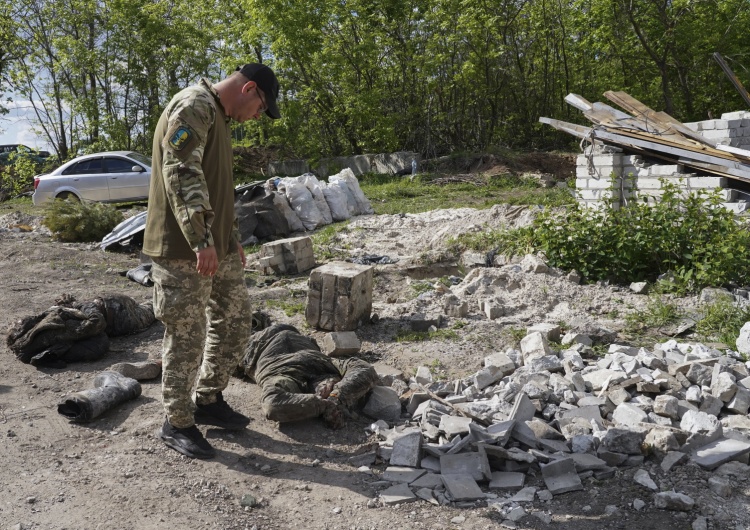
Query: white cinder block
{"x": 596, "y": 184}
{"x": 707, "y": 182}
{"x": 736, "y": 115}
{"x": 659, "y": 170}
{"x": 719, "y": 134}
{"x": 604, "y": 172}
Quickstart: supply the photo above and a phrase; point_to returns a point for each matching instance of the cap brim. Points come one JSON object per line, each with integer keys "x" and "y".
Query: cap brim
{"x": 273, "y": 110}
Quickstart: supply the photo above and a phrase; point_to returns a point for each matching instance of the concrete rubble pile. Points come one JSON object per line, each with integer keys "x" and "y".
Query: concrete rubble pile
{"x": 562, "y": 417}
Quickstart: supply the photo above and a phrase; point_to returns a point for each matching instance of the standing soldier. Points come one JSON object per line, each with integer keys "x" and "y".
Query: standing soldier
{"x": 193, "y": 238}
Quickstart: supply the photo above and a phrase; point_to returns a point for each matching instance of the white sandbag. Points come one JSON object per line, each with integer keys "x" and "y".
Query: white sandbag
{"x": 303, "y": 203}
{"x": 279, "y": 200}
{"x": 364, "y": 204}
{"x": 351, "y": 201}
{"x": 312, "y": 184}
{"x": 336, "y": 199}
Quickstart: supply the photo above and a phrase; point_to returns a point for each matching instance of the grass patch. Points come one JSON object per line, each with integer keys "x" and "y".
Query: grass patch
{"x": 395, "y": 194}
{"x": 722, "y": 322}
{"x": 20, "y": 204}
{"x": 513, "y": 334}
{"x": 289, "y": 307}
{"x": 328, "y": 244}
{"x": 420, "y": 336}
{"x": 656, "y": 314}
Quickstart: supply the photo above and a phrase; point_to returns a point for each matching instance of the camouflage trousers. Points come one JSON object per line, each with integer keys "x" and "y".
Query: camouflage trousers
{"x": 283, "y": 400}
{"x": 207, "y": 325}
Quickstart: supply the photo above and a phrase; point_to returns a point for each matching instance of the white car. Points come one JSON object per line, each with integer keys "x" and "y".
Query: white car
{"x": 114, "y": 176}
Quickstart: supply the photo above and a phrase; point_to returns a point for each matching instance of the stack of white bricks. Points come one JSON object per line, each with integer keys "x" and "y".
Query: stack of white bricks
{"x": 732, "y": 129}
{"x": 653, "y": 179}
{"x": 287, "y": 256}
{"x": 606, "y": 176}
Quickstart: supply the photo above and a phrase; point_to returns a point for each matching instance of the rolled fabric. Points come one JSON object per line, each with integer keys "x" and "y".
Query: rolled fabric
{"x": 110, "y": 389}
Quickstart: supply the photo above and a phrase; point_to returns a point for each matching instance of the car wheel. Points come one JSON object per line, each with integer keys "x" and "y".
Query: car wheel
{"x": 66, "y": 195}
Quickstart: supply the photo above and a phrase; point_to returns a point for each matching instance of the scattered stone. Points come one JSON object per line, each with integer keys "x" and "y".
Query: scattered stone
{"x": 561, "y": 477}
{"x": 644, "y": 479}
{"x": 719, "y": 452}
{"x": 407, "y": 449}
{"x": 638, "y": 505}
{"x": 405, "y": 475}
{"x": 248, "y": 501}
{"x": 398, "y": 494}
{"x": 340, "y": 344}
{"x": 670, "y": 500}
{"x": 462, "y": 487}
{"x": 506, "y": 480}
{"x": 721, "y": 486}
{"x": 383, "y": 404}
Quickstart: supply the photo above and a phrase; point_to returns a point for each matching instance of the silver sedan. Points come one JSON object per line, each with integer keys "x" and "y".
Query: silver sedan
{"x": 114, "y": 176}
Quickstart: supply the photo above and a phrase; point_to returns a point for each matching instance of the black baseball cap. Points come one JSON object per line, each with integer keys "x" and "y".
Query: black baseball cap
{"x": 266, "y": 80}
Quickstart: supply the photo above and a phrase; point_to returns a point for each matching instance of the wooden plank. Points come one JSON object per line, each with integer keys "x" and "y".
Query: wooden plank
{"x": 643, "y": 112}
{"x": 578, "y": 102}
{"x": 571, "y": 128}
{"x": 734, "y": 169}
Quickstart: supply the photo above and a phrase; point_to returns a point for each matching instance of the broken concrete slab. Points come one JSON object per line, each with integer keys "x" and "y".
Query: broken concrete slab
{"x": 462, "y": 487}
{"x": 453, "y": 425}
{"x": 523, "y": 408}
{"x": 428, "y": 480}
{"x": 561, "y": 476}
{"x": 719, "y": 452}
{"x": 406, "y": 475}
{"x": 340, "y": 344}
{"x": 383, "y": 404}
{"x": 398, "y": 494}
{"x": 473, "y": 464}
{"x": 407, "y": 449}
{"x": 670, "y": 500}
{"x": 503, "y": 480}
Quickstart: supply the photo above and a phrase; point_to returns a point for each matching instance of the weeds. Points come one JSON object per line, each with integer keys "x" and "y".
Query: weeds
{"x": 290, "y": 308}
{"x": 722, "y": 322}
{"x": 327, "y": 242}
{"x": 420, "y": 336}
{"x": 656, "y": 314}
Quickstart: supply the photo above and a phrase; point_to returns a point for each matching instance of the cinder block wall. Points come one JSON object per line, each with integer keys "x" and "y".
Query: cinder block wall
{"x": 607, "y": 175}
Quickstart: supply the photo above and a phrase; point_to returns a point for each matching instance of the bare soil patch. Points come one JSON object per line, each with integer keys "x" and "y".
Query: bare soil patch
{"x": 114, "y": 472}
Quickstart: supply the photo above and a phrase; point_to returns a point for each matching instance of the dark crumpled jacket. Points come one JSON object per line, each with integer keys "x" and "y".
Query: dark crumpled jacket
{"x": 77, "y": 331}
{"x": 282, "y": 351}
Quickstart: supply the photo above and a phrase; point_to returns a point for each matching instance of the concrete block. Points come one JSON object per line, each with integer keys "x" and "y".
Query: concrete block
{"x": 288, "y": 168}
{"x": 706, "y": 182}
{"x": 561, "y": 476}
{"x": 407, "y": 449}
{"x": 736, "y": 207}
{"x": 550, "y": 331}
{"x": 719, "y": 134}
{"x": 503, "y": 480}
{"x": 472, "y": 464}
{"x": 502, "y": 361}
{"x": 598, "y": 195}
{"x": 388, "y": 374}
{"x": 287, "y": 256}
{"x": 391, "y": 163}
{"x": 383, "y": 404}
{"x": 735, "y": 115}
{"x": 605, "y": 173}
{"x": 534, "y": 345}
{"x": 339, "y": 296}
{"x": 401, "y": 474}
{"x": 670, "y": 500}
{"x": 428, "y": 480}
{"x": 659, "y": 170}
{"x": 398, "y": 494}
{"x": 453, "y": 425}
{"x": 590, "y": 183}
{"x": 462, "y": 487}
{"x": 719, "y": 452}
{"x": 340, "y": 343}
{"x": 629, "y": 415}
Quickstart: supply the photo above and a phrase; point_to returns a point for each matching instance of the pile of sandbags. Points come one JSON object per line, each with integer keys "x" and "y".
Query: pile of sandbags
{"x": 304, "y": 202}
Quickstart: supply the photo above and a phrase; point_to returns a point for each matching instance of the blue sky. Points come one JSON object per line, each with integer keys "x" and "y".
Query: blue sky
{"x": 16, "y": 127}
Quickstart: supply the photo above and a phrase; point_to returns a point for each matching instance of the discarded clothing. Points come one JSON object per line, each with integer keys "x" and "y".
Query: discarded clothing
{"x": 299, "y": 381}
{"x": 141, "y": 274}
{"x": 372, "y": 259}
{"x": 130, "y": 231}
{"x": 110, "y": 389}
{"x": 76, "y": 331}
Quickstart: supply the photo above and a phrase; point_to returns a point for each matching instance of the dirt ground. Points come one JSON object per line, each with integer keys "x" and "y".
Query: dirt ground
{"x": 115, "y": 473}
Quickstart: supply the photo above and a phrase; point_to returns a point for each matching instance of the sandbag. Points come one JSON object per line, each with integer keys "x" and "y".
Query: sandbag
{"x": 292, "y": 219}
{"x": 337, "y": 202}
{"x": 351, "y": 202}
{"x": 365, "y": 208}
{"x": 303, "y": 203}
{"x": 312, "y": 184}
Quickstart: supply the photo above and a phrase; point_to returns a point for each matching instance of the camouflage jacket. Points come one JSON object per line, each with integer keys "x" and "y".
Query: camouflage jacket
{"x": 191, "y": 198}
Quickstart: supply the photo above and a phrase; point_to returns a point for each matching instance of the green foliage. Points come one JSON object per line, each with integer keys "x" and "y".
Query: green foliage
{"x": 81, "y": 221}
{"x": 394, "y": 194}
{"x": 657, "y": 313}
{"x": 513, "y": 334}
{"x": 420, "y": 336}
{"x": 688, "y": 235}
{"x": 722, "y": 321}
{"x": 17, "y": 173}
{"x": 289, "y": 307}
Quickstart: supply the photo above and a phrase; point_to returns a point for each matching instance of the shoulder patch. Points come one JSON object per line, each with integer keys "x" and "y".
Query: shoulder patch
{"x": 180, "y": 137}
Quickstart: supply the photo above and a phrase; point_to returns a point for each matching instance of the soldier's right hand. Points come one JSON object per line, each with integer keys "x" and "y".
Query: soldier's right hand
{"x": 208, "y": 261}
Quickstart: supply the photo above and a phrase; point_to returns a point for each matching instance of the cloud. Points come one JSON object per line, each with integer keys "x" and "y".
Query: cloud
{"x": 17, "y": 127}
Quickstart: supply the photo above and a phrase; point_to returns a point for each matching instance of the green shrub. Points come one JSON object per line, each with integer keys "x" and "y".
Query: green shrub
{"x": 17, "y": 175}
{"x": 722, "y": 321}
{"x": 81, "y": 221}
{"x": 691, "y": 236}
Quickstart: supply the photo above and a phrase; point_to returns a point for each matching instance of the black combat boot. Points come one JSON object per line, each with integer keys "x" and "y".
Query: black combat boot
{"x": 189, "y": 441}
{"x": 220, "y": 414}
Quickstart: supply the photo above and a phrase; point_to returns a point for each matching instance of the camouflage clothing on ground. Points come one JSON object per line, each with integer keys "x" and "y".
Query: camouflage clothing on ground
{"x": 291, "y": 370}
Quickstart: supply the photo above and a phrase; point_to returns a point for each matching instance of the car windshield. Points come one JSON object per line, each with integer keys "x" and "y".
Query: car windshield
{"x": 145, "y": 160}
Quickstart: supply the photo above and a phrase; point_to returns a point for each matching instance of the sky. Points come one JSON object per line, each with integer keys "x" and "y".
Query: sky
{"x": 16, "y": 126}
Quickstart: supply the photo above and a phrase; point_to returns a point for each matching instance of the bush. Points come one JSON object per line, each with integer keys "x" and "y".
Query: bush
{"x": 691, "y": 236}
{"x": 17, "y": 176}
{"x": 81, "y": 221}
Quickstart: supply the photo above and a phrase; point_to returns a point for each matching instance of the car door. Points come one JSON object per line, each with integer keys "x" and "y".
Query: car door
{"x": 124, "y": 183}
{"x": 87, "y": 179}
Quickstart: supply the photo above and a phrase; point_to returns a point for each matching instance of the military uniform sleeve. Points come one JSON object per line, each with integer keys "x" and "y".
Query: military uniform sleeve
{"x": 189, "y": 123}
{"x": 357, "y": 379}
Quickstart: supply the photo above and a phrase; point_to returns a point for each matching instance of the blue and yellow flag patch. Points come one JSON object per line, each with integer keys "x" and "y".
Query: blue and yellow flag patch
{"x": 180, "y": 137}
